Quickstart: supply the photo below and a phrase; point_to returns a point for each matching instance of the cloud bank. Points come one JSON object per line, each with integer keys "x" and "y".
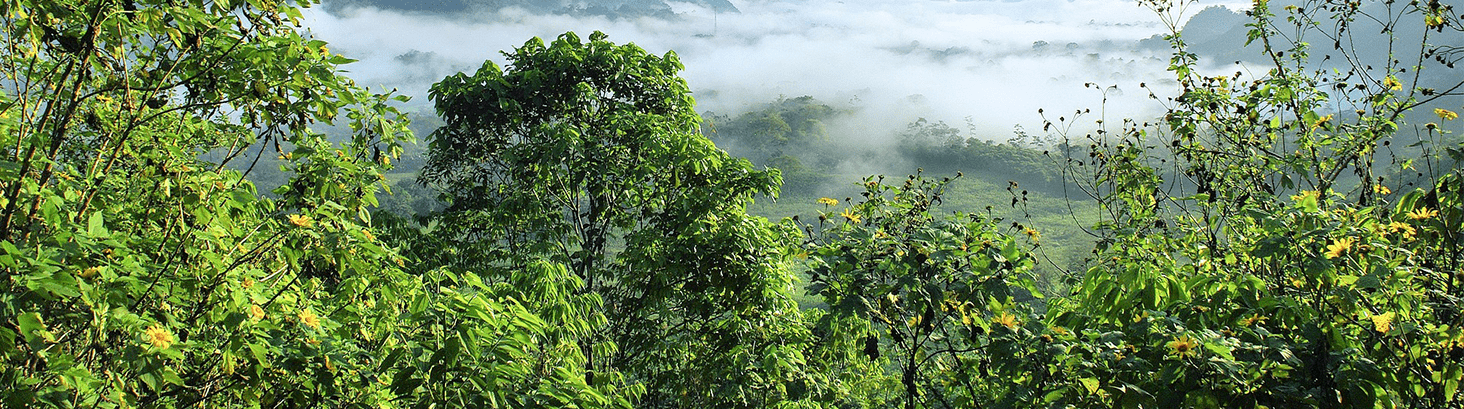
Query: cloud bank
{"x": 996, "y": 62}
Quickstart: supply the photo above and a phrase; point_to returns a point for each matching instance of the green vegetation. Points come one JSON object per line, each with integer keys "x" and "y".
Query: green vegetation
{"x": 1254, "y": 247}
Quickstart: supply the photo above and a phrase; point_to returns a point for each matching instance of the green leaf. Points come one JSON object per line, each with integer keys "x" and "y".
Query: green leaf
{"x": 33, "y": 328}
{"x": 94, "y": 226}
{"x": 1090, "y": 384}
{"x": 403, "y": 383}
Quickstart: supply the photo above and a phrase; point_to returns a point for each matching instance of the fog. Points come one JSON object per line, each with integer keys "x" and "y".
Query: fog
{"x": 995, "y": 62}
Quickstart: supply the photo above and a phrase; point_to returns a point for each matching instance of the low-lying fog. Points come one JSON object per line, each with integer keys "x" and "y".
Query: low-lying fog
{"x": 996, "y": 62}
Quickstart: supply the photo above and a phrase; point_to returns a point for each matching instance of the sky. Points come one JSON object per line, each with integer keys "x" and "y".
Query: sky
{"x": 894, "y": 61}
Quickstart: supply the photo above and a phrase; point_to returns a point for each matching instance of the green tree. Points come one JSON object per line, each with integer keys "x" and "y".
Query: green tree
{"x": 135, "y": 273}
{"x": 941, "y": 302}
{"x": 587, "y": 154}
{"x": 1250, "y": 252}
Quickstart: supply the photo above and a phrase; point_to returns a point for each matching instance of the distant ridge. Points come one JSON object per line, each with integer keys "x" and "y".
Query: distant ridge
{"x": 605, "y": 8}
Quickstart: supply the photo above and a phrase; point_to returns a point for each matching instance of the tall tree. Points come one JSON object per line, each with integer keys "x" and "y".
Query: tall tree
{"x": 588, "y": 154}
{"x": 138, "y": 268}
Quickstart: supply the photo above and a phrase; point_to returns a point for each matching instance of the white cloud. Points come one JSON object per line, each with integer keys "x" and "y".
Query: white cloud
{"x": 965, "y": 58}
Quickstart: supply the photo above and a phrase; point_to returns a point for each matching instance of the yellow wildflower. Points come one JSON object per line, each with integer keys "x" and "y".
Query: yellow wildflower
{"x": 827, "y": 201}
{"x": 1252, "y": 320}
{"x": 1445, "y": 114}
{"x": 1322, "y": 121}
{"x": 309, "y": 319}
{"x": 158, "y": 336}
{"x": 369, "y": 236}
{"x": 247, "y": 283}
{"x": 1033, "y": 234}
{"x": 1392, "y": 83}
{"x": 1336, "y": 249}
{"x": 1008, "y": 320}
{"x": 1184, "y": 346}
{"x": 850, "y": 215}
{"x": 1382, "y": 190}
{"x": 256, "y": 313}
{"x": 1383, "y": 322}
{"x": 1422, "y": 213}
{"x": 1060, "y": 330}
{"x": 1303, "y": 195}
{"x": 301, "y": 220}
{"x": 1397, "y": 227}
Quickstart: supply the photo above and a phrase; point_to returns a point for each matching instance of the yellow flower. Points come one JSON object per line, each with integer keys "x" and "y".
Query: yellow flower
{"x": 1408, "y": 231}
{"x": 1445, "y": 114}
{"x": 1306, "y": 194}
{"x": 1059, "y": 330}
{"x": 827, "y": 201}
{"x": 300, "y": 220}
{"x": 849, "y": 215}
{"x": 1008, "y": 320}
{"x": 1382, "y": 190}
{"x": 1422, "y": 213}
{"x": 256, "y": 313}
{"x": 1184, "y": 346}
{"x": 369, "y": 236}
{"x": 1336, "y": 249}
{"x": 1383, "y": 322}
{"x": 1034, "y": 234}
{"x": 1322, "y": 121}
{"x": 309, "y": 319}
{"x": 158, "y": 336}
{"x": 1392, "y": 83}
{"x": 1252, "y": 320}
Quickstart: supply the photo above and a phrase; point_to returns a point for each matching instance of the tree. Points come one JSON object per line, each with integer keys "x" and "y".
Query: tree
{"x": 133, "y": 272}
{"x": 941, "y": 303}
{"x": 587, "y": 154}
{"x": 1252, "y": 251}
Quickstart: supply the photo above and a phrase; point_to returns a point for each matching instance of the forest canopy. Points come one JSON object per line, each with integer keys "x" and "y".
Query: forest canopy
{"x": 1283, "y": 237}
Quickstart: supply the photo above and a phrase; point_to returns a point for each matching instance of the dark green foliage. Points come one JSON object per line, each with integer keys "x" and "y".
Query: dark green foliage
{"x": 1023, "y": 159}
{"x": 587, "y": 154}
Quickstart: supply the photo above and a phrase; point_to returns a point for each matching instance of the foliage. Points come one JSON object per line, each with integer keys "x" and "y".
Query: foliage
{"x": 937, "y": 300}
{"x": 942, "y": 148}
{"x": 1254, "y": 249}
{"x": 136, "y": 273}
{"x": 587, "y": 154}
{"x": 1262, "y": 261}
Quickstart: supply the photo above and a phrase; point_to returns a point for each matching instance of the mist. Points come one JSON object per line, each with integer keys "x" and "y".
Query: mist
{"x": 994, "y": 62}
